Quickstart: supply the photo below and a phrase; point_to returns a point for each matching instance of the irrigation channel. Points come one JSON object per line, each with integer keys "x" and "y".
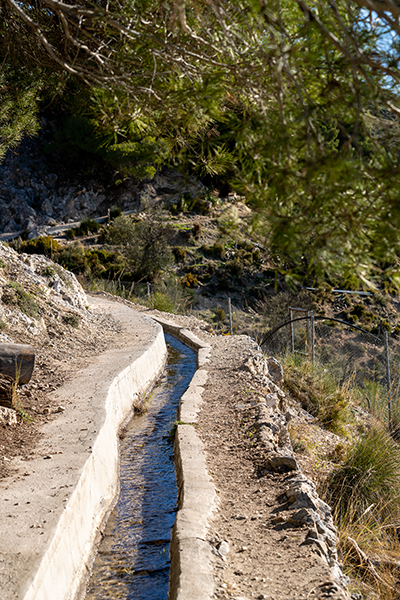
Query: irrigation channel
{"x": 133, "y": 557}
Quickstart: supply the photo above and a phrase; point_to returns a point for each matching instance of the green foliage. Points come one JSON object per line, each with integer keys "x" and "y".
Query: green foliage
{"x": 370, "y": 475}
{"x": 15, "y": 295}
{"x": 20, "y": 91}
{"x": 115, "y": 211}
{"x": 317, "y": 391}
{"x": 73, "y": 258}
{"x": 86, "y": 226}
{"x": 179, "y": 254}
{"x": 143, "y": 244}
{"x": 234, "y": 268}
{"x": 217, "y": 250}
{"x": 314, "y": 145}
{"x": 163, "y": 302}
{"x": 42, "y": 245}
{"x": 190, "y": 280}
{"x": 73, "y": 320}
{"x": 150, "y": 254}
{"x": 219, "y": 314}
{"x": 121, "y": 232}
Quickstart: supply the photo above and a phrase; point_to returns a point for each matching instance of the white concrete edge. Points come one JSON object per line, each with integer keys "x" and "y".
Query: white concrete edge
{"x": 64, "y": 567}
{"x": 187, "y": 337}
{"x": 191, "y": 575}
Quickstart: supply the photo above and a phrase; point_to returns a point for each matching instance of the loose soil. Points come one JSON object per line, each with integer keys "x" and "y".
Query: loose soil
{"x": 56, "y": 361}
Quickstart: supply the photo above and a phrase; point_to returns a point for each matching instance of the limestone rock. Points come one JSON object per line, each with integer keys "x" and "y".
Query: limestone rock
{"x": 8, "y": 416}
{"x": 275, "y": 370}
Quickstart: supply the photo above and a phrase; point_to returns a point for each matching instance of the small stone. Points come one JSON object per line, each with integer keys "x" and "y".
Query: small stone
{"x": 8, "y": 416}
{"x": 223, "y": 548}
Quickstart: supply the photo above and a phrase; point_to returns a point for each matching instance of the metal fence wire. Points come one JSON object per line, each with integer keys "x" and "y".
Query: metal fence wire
{"x": 368, "y": 363}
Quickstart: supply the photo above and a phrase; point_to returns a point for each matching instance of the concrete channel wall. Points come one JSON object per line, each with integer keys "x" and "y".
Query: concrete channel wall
{"x": 53, "y": 563}
{"x": 191, "y": 576}
{"x": 64, "y": 565}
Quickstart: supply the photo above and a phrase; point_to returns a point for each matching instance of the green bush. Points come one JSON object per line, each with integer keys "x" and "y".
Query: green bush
{"x": 317, "y": 391}
{"x": 73, "y": 320}
{"x": 14, "y": 294}
{"x": 370, "y": 475}
{"x": 73, "y": 258}
{"x": 122, "y": 232}
{"x": 42, "y": 245}
{"x": 179, "y": 254}
{"x": 163, "y": 302}
{"x": 87, "y": 226}
{"x": 150, "y": 253}
{"x": 197, "y": 231}
{"x": 115, "y": 211}
{"x": 234, "y": 268}
{"x": 218, "y": 251}
{"x": 190, "y": 280}
{"x": 219, "y": 314}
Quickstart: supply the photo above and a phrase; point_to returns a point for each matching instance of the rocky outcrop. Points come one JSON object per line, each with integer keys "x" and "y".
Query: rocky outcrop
{"x": 33, "y": 196}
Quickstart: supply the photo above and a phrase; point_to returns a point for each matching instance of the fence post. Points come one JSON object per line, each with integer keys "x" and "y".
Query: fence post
{"x": 291, "y": 329}
{"x": 389, "y": 385}
{"x": 312, "y": 337}
{"x": 148, "y": 290}
{"x": 230, "y": 315}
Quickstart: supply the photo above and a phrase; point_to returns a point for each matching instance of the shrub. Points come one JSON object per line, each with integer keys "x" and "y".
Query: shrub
{"x": 73, "y": 320}
{"x": 15, "y": 295}
{"x": 234, "y": 268}
{"x": 218, "y": 251}
{"x": 197, "y": 231}
{"x": 73, "y": 258}
{"x": 190, "y": 280}
{"x": 358, "y": 310}
{"x": 150, "y": 254}
{"x": 115, "y": 211}
{"x": 163, "y": 302}
{"x": 179, "y": 254}
{"x": 121, "y": 232}
{"x": 317, "y": 392}
{"x": 42, "y": 245}
{"x": 370, "y": 475}
{"x": 219, "y": 314}
{"x": 88, "y": 226}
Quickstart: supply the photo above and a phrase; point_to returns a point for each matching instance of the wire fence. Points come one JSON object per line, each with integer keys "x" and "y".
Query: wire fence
{"x": 370, "y": 363}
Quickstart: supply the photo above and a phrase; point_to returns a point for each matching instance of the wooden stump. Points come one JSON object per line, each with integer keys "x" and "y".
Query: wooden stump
{"x": 6, "y": 390}
{"x": 17, "y": 362}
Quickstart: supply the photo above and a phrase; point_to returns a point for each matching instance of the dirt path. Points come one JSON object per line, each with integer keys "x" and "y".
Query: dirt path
{"x": 265, "y": 559}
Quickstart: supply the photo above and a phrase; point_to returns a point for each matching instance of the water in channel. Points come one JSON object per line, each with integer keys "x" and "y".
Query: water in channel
{"x": 133, "y": 558}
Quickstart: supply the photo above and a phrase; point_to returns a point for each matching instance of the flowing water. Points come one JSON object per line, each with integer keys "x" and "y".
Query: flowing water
{"x": 133, "y": 558}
